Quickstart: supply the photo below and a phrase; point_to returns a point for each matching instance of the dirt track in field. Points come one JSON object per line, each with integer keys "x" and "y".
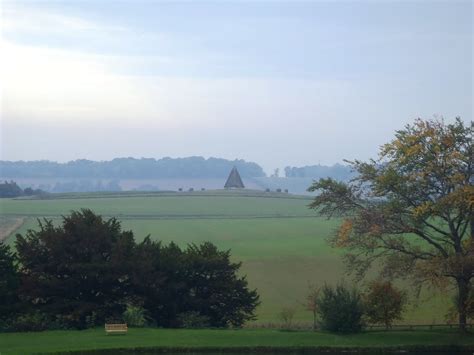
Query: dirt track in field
{"x": 8, "y": 226}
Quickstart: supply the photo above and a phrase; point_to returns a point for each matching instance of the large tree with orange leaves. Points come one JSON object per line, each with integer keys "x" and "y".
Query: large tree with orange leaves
{"x": 412, "y": 208}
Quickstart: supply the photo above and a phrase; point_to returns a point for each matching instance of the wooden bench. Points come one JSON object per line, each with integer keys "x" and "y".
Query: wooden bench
{"x": 116, "y": 328}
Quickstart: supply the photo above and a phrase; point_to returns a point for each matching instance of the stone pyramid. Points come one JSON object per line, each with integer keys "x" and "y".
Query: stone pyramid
{"x": 234, "y": 181}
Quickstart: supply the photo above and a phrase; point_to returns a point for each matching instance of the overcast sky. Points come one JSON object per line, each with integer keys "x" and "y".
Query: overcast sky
{"x": 276, "y": 82}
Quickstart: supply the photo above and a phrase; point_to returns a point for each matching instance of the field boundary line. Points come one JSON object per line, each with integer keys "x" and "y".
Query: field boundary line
{"x": 72, "y": 196}
{"x": 167, "y": 217}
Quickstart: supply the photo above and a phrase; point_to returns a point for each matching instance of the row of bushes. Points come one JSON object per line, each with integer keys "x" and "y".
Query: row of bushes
{"x": 88, "y": 271}
{"x": 342, "y": 309}
{"x": 345, "y": 310}
{"x": 133, "y": 316}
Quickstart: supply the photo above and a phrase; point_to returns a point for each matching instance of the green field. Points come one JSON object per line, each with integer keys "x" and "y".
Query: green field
{"x": 242, "y": 340}
{"x": 281, "y": 242}
{"x": 209, "y": 204}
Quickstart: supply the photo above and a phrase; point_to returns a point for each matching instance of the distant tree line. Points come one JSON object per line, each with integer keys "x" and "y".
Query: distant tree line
{"x": 83, "y": 186}
{"x": 190, "y": 167}
{"x": 337, "y": 172}
{"x": 11, "y": 189}
{"x": 88, "y": 271}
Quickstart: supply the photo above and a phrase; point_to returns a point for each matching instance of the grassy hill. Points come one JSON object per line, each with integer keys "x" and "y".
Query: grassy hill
{"x": 281, "y": 242}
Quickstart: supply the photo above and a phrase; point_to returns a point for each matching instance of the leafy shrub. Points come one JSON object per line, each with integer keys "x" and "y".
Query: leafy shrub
{"x": 134, "y": 316}
{"x": 286, "y": 316}
{"x": 193, "y": 320}
{"x": 340, "y": 309}
{"x": 91, "y": 320}
{"x": 31, "y": 322}
{"x": 384, "y": 303}
{"x": 60, "y": 323}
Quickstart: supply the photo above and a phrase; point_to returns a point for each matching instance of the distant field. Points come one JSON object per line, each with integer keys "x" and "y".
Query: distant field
{"x": 281, "y": 242}
{"x": 160, "y": 205}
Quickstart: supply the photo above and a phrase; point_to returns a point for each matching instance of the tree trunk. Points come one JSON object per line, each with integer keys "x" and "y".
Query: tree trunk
{"x": 472, "y": 225}
{"x": 314, "y": 320}
{"x": 463, "y": 295}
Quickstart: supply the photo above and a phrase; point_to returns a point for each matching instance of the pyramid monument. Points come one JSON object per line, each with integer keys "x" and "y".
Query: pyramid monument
{"x": 234, "y": 181}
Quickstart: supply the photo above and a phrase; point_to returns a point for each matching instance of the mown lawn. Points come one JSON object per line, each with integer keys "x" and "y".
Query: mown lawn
{"x": 62, "y": 341}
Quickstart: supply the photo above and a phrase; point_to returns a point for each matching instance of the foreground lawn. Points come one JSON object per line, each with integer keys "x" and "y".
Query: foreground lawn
{"x": 61, "y": 341}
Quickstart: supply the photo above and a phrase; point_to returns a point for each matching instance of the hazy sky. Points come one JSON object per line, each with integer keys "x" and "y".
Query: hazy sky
{"x": 276, "y": 82}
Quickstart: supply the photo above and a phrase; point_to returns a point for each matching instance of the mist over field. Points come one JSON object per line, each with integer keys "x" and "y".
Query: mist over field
{"x": 160, "y": 174}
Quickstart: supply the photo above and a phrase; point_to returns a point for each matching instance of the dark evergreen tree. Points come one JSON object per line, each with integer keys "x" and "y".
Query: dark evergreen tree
{"x": 158, "y": 281}
{"x": 79, "y": 271}
{"x": 9, "y": 282}
{"x": 10, "y": 189}
{"x": 214, "y": 288}
{"x": 201, "y": 280}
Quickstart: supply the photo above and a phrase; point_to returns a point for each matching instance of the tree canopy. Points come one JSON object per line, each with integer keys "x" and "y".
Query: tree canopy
{"x": 384, "y": 303}
{"x": 11, "y": 189}
{"x": 78, "y": 269}
{"x": 9, "y": 282}
{"x": 87, "y": 270}
{"x": 411, "y": 209}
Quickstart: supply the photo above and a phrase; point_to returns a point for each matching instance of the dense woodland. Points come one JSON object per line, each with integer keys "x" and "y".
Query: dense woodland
{"x": 190, "y": 167}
